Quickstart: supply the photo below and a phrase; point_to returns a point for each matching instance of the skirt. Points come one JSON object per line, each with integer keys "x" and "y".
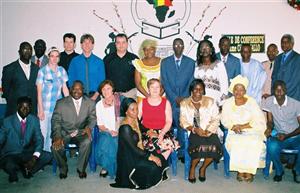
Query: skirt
{"x": 205, "y": 147}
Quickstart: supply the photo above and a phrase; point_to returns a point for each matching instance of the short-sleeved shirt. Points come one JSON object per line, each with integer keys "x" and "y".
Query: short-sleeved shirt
{"x": 106, "y": 116}
{"x": 284, "y": 116}
{"x": 52, "y": 83}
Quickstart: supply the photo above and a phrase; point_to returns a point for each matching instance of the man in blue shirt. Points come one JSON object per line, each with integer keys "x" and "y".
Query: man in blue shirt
{"x": 87, "y": 67}
{"x": 287, "y": 67}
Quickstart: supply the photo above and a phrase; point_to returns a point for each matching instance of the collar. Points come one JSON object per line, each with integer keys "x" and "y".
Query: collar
{"x": 226, "y": 56}
{"x": 288, "y": 53}
{"x": 41, "y": 58}
{"x": 79, "y": 100}
{"x": 175, "y": 58}
{"x": 20, "y": 118}
{"x": 284, "y": 104}
{"x": 23, "y": 64}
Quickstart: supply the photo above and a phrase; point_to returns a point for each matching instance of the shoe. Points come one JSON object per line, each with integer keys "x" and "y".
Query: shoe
{"x": 165, "y": 176}
{"x": 278, "y": 178}
{"x": 249, "y": 178}
{"x": 63, "y": 176}
{"x": 296, "y": 177}
{"x": 181, "y": 159}
{"x": 192, "y": 180}
{"x": 26, "y": 174}
{"x": 103, "y": 174}
{"x": 81, "y": 174}
{"x": 13, "y": 179}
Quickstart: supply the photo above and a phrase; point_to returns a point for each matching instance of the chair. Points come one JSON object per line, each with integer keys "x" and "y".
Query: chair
{"x": 266, "y": 170}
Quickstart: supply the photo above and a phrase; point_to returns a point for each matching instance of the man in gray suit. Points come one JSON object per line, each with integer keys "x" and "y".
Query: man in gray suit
{"x": 72, "y": 121}
{"x": 40, "y": 59}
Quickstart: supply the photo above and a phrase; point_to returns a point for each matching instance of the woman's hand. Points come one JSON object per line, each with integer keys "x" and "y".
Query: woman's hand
{"x": 152, "y": 134}
{"x": 237, "y": 129}
{"x": 114, "y": 133}
{"x": 41, "y": 115}
{"x": 155, "y": 159}
{"x": 200, "y": 132}
{"x": 161, "y": 137}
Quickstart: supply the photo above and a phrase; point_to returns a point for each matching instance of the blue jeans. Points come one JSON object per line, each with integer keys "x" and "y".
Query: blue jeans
{"x": 274, "y": 148}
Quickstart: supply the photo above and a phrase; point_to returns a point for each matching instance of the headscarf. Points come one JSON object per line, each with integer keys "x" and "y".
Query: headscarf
{"x": 239, "y": 79}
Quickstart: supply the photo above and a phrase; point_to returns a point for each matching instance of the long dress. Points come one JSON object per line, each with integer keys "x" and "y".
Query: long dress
{"x": 246, "y": 150}
{"x": 147, "y": 72}
{"x": 134, "y": 170}
{"x": 206, "y": 117}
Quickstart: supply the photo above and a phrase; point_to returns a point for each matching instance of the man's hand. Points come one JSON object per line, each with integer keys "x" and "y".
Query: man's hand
{"x": 281, "y": 136}
{"x": 88, "y": 132}
{"x": 200, "y": 132}
{"x": 264, "y": 96}
{"x": 268, "y": 132}
{"x": 58, "y": 144}
{"x": 30, "y": 164}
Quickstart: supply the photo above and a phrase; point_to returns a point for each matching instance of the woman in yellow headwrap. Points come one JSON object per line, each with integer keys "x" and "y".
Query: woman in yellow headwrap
{"x": 146, "y": 68}
{"x": 246, "y": 124}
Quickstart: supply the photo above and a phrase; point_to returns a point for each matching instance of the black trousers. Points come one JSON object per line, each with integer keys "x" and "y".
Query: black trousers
{"x": 11, "y": 164}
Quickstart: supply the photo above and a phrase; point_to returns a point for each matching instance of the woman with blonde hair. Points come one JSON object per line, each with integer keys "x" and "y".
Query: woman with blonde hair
{"x": 146, "y": 68}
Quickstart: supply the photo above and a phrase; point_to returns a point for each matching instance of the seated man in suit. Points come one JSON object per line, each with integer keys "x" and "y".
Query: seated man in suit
{"x": 72, "y": 121}
{"x": 283, "y": 126}
{"x": 21, "y": 143}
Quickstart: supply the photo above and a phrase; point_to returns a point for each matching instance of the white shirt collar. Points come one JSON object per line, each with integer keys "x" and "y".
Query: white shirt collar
{"x": 79, "y": 100}
{"x": 175, "y": 58}
{"x": 276, "y": 103}
{"x": 41, "y": 58}
{"x": 20, "y": 118}
{"x": 23, "y": 64}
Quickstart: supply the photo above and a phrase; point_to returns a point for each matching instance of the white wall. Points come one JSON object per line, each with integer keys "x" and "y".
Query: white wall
{"x": 49, "y": 20}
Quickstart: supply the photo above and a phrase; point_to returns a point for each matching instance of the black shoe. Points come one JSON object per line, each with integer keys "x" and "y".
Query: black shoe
{"x": 278, "y": 178}
{"x": 192, "y": 180}
{"x": 202, "y": 179}
{"x": 13, "y": 179}
{"x": 63, "y": 175}
{"x": 181, "y": 159}
{"x": 26, "y": 174}
{"x": 81, "y": 174}
{"x": 296, "y": 177}
{"x": 103, "y": 174}
{"x": 165, "y": 176}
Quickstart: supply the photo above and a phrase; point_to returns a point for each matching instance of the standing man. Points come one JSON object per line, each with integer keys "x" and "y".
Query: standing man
{"x": 72, "y": 120}
{"x": 40, "y": 59}
{"x": 21, "y": 143}
{"x": 232, "y": 63}
{"x": 254, "y": 71}
{"x": 18, "y": 79}
{"x": 87, "y": 67}
{"x": 283, "y": 128}
{"x": 287, "y": 67}
{"x": 119, "y": 68}
{"x": 268, "y": 65}
{"x": 177, "y": 72}
{"x": 69, "y": 53}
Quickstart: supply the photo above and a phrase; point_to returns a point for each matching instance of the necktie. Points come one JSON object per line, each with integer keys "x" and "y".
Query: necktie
{"x": 224, "y": 59}
{"x": 23, "y": 127}
{"x": 283, "y": 58}
{"x": 77, "y": 107}
{"x": 177, "y": 64}
{"x": 38, "y": 62}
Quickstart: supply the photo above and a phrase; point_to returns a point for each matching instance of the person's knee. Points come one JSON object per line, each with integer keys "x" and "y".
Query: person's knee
{"x": 86, "y": 142}
{"x": 273, "y": 147}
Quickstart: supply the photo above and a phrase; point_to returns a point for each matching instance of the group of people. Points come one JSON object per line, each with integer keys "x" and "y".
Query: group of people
{"x": 137, "y": 101}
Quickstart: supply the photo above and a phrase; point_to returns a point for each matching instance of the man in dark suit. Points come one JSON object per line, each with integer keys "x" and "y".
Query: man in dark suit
{"x": 177, "y": 72}
{"x": 40, "y": 59}
{"x": 18, "y": 79}
{"x": 21, "y": 143}
{"x": 72, "y": 121}
{"x": 232, "y": 63}
{"x": 287, "y": 67}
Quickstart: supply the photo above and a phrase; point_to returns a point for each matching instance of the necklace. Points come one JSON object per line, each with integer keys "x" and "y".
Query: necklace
{"x": 195, "y": 102}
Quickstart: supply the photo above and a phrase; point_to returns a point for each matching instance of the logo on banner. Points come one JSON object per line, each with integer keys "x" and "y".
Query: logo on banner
{"x": 160, "y": 18}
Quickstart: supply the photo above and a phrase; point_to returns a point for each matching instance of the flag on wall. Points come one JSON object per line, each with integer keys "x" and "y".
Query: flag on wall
{"x": 158, "y": 3}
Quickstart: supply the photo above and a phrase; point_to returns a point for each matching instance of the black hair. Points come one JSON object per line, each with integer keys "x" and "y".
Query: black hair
{"x": 279, "y": 83}
{"x": 69, "y": 35}
{"x": 23, "y": 44}
{"x": 125, "y": 105}
{"x": 24, "y": 99}
{"x": 213, "y": 56}
{"x": 223, "y": 38}
{"x": 196, "y": 82}
{"x": 78, "y": 82}
{"x": 121, "y": 35}
{"x": 87, "y": 37}
{"x": 178, "y": 39}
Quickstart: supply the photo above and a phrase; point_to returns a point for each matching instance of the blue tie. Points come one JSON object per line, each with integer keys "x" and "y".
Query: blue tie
{"x": 177, "y": 64}
{"x": 283, "y": 58}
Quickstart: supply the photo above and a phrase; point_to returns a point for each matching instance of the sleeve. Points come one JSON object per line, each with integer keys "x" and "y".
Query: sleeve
{"x": 226, "y": 114}
{"x": 125, "y": 134}
{"x": 40, "y": 77}
{"x": 184, "y": 114}
{"x": 65, "y": 77}
{"x": 3, "y": 134}
{"x": 71, "y": 72}
{"x": 164, "y": 80}
{"x": 6, "y": 82}
{"x": 238, "y": 68}
{"x": 223, "y": 80}
{"x": 297, "y": 108}
{"x": 39, "y": 142}
{"x": 265, "y": 104}
{"x": 136, "y": 65}
{"x": 56, "y": 122}
{"x": 98, "y": 113}
{"x": 258, "y": 120}
{"x": 275, "y": 70}
{"x": 214, "y": 118}
{"x": 92, "y": 120}
{"x": 101, "y": 72}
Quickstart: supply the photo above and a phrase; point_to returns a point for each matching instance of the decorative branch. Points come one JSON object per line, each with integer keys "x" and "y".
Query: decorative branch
{"x": 106, "y": 21}
{"x": 119, "y": 17}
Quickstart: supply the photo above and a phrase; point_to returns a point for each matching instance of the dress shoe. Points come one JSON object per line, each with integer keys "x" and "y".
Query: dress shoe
{"x": 26, "y": 174}
{"x": 63, "y": 175}
{"x": 13, "y": 179}
{"x": 81, "y": 174}
{"x": 296, "y": 177}
{"x": 278, "y": 178}
{"x": 103, "y": 173}
{"x": 201, "y": 178}
{"x": 192, "y": 180}
{"x": 165, "y": 176}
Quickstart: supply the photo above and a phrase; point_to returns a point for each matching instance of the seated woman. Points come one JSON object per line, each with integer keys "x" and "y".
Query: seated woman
{"x": 146, "y": 68}
{"x": 136, "y": 168}
{"x": 199, "y": 115}
{"x": 246, "y": 125}
{"x": 155, "y": 114}
{"x": 108, "y": 121}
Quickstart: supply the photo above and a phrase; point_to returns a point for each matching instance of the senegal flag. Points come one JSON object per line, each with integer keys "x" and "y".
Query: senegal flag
{"x": 158, "y": 3}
